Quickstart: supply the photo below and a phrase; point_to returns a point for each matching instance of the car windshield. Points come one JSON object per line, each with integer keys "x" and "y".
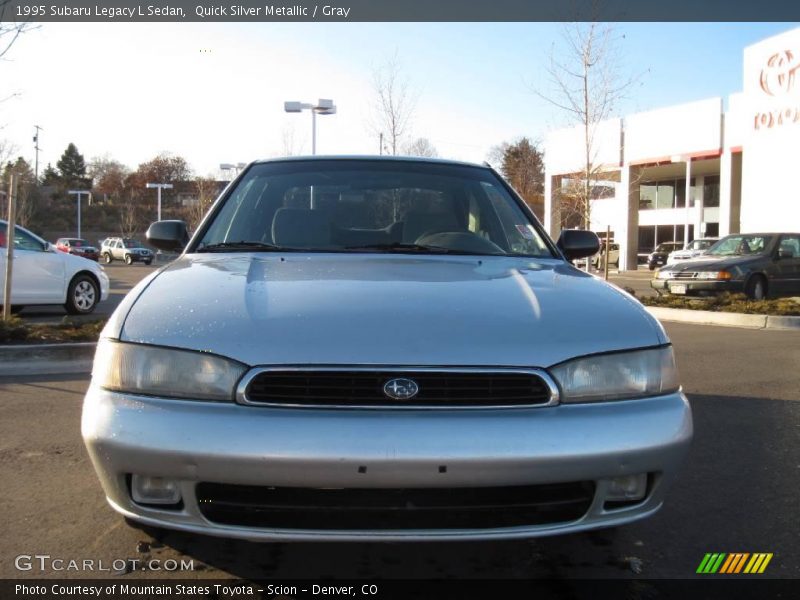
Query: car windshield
{"x": 128, "y": 243}
{"x": 78, "y": 243}
{"x": 667, "y": 247}
{"x": 735, "y": 245}
{"x": 700, "y": 244}
{"x": 372, "y": 206}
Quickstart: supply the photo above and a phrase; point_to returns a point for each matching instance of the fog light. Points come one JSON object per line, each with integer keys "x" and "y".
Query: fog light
{"x": 154, "y": 490}
{"x": 627, "y": 488}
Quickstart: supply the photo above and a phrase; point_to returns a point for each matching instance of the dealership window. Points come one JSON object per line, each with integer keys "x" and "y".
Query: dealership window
{"x": 711, "y": 191}
{"x": 651, "y": 236}
{"x": 670, "y": 193}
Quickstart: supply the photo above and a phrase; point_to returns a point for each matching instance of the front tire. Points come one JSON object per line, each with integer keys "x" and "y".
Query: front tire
{"x": 148, "y": 262}
{"x": 756, "y": 288}
{"x": 128, "y": 259}
{"x": 107, "y": 258}
{"x": 83, "y": 295}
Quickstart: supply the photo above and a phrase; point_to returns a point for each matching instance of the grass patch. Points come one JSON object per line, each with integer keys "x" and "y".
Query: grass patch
{"x": 726, "y": 302}
{"x": 17, "y": 331}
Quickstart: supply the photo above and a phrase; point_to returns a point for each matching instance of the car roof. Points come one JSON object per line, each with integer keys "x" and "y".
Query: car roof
{"x": 372, "y": 157}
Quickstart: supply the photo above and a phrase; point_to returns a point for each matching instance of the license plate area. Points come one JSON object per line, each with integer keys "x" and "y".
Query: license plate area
{"x": 677, "y": 289}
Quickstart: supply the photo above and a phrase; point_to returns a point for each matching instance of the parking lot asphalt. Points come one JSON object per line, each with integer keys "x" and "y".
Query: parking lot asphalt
{"x": 736, "y": 493}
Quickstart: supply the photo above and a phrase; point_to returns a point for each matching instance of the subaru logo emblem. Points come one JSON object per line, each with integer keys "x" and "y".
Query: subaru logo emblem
{"x": 401, "y": 389}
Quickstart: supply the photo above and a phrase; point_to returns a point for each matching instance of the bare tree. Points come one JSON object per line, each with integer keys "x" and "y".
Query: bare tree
{"x": 289, "y": 141}
{"x": 393, "y": 103}
{"x": 421, "y": 147}
{"x": 587, "y": 85}
{"x": 10, "y": 30}
{"x": 206, "y": 190}
{"x": 128, "y": 217}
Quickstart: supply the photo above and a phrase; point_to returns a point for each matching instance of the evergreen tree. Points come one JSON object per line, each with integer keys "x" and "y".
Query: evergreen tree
{"x": 50, "y": 176}
{"x": 72, "y": 167}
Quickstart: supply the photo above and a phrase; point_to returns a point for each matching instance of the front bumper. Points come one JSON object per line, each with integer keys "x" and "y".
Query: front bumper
{"x": 105, "y": 285}
{"x": 195, "y": 442}
{"x": 697, "y": 286}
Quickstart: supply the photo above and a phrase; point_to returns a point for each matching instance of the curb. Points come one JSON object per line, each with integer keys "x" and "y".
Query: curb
{"x": 708, "y": 317}
{"x": 46, "y": 359}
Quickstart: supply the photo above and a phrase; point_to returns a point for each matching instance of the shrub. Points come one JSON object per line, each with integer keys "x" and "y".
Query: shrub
{"x": 726, "y": 302}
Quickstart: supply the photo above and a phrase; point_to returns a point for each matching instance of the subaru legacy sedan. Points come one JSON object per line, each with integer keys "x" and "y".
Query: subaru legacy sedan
{"x": 381, "y": 349}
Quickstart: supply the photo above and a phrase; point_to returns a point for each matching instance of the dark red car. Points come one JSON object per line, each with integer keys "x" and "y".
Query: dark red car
{"x": 78, "y": 247}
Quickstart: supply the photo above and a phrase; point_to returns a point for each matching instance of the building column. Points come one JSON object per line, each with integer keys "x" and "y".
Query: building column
{"x": 699, "y": 204}
{"x": 688, "y": 208}
{"x": 725, "y": 160}
{"x": 730, "y": 192}
{"x": 628, "y": 236}
{"x": 552, "y": 208}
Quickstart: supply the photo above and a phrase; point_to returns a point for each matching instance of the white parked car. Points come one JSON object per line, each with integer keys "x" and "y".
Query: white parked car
{"x": 42, "y": 275}
{"x": 694, "y": 249}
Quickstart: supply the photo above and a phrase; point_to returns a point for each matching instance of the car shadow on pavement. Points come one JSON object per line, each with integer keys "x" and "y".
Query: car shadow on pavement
{"x": 735, "y": 493}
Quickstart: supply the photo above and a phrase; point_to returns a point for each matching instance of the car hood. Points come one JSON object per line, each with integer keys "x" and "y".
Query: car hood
{"x": 706, "y": 262}
{"x": 383, "y": 309}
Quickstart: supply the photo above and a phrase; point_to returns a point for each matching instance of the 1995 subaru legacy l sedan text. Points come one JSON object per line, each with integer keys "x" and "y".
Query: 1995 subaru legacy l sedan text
{"x": 381, "y": 349}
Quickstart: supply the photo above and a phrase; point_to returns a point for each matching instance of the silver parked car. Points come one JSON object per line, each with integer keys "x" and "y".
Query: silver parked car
{"x": 693, "y": 249}
{"x": 126, "y": 249}
{"x": 381, "y": 349}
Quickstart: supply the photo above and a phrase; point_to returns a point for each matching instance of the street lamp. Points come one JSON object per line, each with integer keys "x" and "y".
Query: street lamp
{"x": 159, "y": 187}
{"x": 236, "y": 168}
{"x": 78, "y": 194}
{"x": 322, "y": 107}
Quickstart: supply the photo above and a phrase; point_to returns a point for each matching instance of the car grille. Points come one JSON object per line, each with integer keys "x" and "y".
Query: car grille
{"x": 365, "y": 388}
{"x": 393, "y": 509}
{"x": 684, "y": 275}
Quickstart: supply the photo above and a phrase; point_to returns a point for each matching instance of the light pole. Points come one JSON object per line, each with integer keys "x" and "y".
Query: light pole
{"x": 78, "y": 194}
{"x": 236, "y": 168}
{"x": 322, "y": 107}
{"x": 36, "y": 147}
{"x": 159, "y": 187}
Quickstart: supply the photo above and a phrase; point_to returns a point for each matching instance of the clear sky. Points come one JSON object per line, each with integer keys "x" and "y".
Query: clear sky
{"x": 214, "y": 92}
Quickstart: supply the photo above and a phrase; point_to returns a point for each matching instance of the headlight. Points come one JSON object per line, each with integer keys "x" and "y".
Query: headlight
{"x": 713, "y": 275}
{"x": 618, "y": 376}
{"x": 153, "y": 371}
{"x": 664, "y": 275}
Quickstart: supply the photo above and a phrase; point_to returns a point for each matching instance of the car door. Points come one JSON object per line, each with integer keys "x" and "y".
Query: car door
{"x": 787, "y": 276}
{"x": 38, "y": 274}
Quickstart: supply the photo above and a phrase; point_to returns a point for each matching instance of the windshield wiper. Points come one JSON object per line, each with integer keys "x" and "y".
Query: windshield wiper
{"x": 412, "y": 248}
{"x": 243, "y": 245}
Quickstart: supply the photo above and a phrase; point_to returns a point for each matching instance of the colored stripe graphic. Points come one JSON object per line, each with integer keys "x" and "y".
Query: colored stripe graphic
{"x": 703, "y": 563}
{"x": 741, "y": 562}
{"x": 732, "y": 558}
{"x": 733, "y": 563}
{"x": 711, "y": 563}
{"x": 765, "y": 563}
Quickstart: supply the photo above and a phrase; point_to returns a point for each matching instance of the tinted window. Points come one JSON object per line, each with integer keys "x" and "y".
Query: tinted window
{"x": 741, "y": 244}
{"x": 22, "y": 239}
{"x": 362, "y": 205}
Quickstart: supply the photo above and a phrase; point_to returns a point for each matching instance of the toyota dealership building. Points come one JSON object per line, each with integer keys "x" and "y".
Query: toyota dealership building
{"x": 703, "y": 169}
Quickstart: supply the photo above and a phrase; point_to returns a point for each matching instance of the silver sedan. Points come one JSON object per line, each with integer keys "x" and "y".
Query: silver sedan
{"x": 381, "y": 349}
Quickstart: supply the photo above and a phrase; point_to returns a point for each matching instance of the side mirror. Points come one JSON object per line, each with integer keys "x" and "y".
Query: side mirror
{"x": 578, "y": 243}
{"x": 785, "y": 253}
{"x": 48, "y": 247}
{"x": 170, "y": 236}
